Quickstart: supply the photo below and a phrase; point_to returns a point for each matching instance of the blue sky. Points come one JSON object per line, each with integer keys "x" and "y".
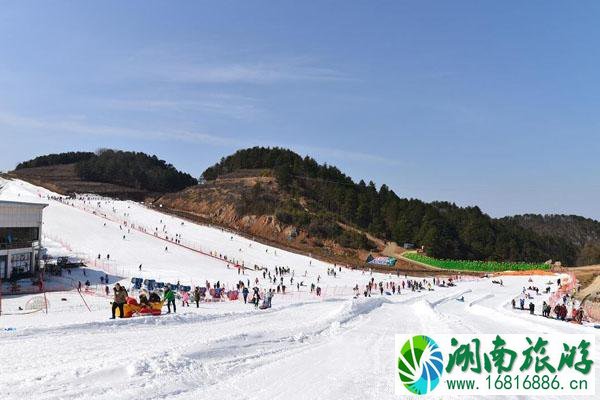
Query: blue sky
{"x": 483, "y": 103}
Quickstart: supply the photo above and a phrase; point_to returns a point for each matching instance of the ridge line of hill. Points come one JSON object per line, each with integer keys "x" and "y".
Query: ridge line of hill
{"x": 276, "y": 194}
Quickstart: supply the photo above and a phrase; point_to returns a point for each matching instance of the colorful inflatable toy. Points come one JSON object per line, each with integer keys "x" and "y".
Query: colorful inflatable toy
{"x": 132, "y": 308}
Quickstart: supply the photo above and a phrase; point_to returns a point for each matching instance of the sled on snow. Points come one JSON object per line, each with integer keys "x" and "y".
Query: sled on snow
{"x": 233, "y": 294}
{"x": 132, "y": 308}
{"x": 217, "y": 294}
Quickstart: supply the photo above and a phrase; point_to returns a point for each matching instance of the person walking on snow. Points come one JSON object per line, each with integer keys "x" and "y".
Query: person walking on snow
{"x": 185, "y": 299}
{"x": 120, "y": 297}
{"x": 169, "y": 297}
{"x": 245, "y": 292}
{"x": 197, "y": 296}
{"x": 255, "y": 297}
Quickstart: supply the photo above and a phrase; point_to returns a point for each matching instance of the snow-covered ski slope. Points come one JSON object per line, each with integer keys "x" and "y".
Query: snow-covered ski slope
{"x": 303, "y": 348}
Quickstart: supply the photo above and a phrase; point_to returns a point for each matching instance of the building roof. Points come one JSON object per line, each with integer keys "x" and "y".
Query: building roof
{"x": 22, "y": 203}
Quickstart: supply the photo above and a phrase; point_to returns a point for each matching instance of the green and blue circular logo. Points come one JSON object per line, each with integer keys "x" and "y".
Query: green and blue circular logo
{"x": 420, "y": 364}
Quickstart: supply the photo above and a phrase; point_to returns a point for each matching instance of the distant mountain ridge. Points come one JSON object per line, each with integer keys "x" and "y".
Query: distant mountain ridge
{"x": 128, "y": 169}
{"x": 279, "y": 195}
{"x": 321, "y": 196}
{"x": 576, "y": 229}
{"x": 584, "y": 233}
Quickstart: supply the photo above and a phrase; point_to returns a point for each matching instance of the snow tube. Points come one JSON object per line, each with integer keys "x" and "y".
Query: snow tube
{"x": 233, "y": 294}
{"x": 129, "y": 310}
{"x": 131, "y": 301}
{"x": 145, "y": 310}
{"x": 153, "y": 309}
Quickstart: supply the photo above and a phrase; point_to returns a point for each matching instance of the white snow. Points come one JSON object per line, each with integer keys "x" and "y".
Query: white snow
{"x": 327, "y": 347}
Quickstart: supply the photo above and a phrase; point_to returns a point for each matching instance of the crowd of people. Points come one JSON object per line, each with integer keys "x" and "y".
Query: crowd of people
{"x": 172, "y": 293}
{"x": 279, "y": 279}
{"x": 560, "y": 309}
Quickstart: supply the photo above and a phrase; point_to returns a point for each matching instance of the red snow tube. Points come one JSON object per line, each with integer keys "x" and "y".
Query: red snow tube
{"x": 145, "y": 310}
{"x": 133, "y": 309}
{"x": 149, "y": 311}
{"x": 131, "y": 301}
{"x": 233, "y": 294}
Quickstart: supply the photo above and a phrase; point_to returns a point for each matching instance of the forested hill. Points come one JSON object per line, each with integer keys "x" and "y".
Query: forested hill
{"x": 578, "y": 230}
{"x": 130, "y": 169}
{"x": 327, "y": 204}
{"x": 581, "y": 232}
{"x": 446, "y": 230}
{"x": 56, "y": 159}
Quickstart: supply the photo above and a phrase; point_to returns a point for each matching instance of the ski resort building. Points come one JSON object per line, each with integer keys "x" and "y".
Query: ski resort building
{"x": 20, "y": 236}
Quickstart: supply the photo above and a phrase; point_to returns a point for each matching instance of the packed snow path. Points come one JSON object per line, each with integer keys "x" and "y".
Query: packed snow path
{"x": 304, "y": 347}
